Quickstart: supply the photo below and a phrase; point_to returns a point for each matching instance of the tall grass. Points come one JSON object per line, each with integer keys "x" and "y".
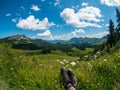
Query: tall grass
{"x": 20, "y": 70}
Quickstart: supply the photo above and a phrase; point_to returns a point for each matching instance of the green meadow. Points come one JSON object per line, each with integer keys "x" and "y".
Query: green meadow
{"x": 32, "y": 70}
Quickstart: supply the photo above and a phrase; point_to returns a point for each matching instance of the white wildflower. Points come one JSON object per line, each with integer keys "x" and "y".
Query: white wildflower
{"x": 105, "y": 60}
{"x": 77, "y": 58}
{"x": 64, "y": 60}
{"x": 58, "y": 60}
{"x": 73, "y": 63}
{"x": 50, "y": 66}
{"x": 61, "y": 62}
{"x": 86, "y": 56}
{"x": 88, "y": 63}
{"x": 98, "y": 52}
{"x": 95, "y": 56}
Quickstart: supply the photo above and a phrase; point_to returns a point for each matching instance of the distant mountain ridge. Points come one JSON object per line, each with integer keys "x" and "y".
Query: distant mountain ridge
{"x": 72, "y": 41}
{"x": 80, "y": 41}
{"x": 87, "y": 40}
{"x": 21, "y": 39}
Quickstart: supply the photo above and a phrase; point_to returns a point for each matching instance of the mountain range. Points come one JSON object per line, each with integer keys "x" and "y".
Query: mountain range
{"x": 73, "y": 41}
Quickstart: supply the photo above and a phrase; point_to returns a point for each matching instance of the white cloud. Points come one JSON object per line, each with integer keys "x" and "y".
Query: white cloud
{"x": 75, "y": 7}
{"x": 107, "y": 25}
{"x": 45, "y": 34}
{"x": 34, "y": 24}
{"x": 85, "y": 17}
{"x": 23, "y": 8}
{"x": 8, "y": 14}
{"x": 57, "y": 2}
{"x": 90, "y": 14}
{"x": 35, "y": 8}
{"x": 14, "y": 20}
{"x": 42, "y": 0}
{"x": 100, "y": 35}
{"x": 111, "y": 2}
{"x": 77, "y": 31}
{"x": 84, "y": 4}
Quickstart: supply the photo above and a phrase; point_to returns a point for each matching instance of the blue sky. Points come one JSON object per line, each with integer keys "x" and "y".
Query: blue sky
{"x": 56, "y": 19}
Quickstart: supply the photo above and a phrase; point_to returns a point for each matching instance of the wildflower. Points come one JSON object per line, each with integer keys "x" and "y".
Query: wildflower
{"x": 95, "y": 56}
{"x": 58, "y": 60}
{"x": 11, "y": 69}
{"x": 61, "y": 62}
{"x": 64, "y": 60}
{"x": 86, "y": 56}
{"x": 105, "y": 60}
{"x": 77, "y": 58}
{"x": 73, "y": 63}
{"x": 98, "y": 52}
{"x": 50, "y": 66}
{"x": 89, "y": 64}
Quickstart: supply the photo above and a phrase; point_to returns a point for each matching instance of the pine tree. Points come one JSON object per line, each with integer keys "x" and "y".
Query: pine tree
{"x": 118, "y": 25}
{"x": 111, "y": 35}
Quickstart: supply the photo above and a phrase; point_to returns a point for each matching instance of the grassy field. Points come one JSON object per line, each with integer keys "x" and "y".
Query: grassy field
{"x": 31, "y": 70}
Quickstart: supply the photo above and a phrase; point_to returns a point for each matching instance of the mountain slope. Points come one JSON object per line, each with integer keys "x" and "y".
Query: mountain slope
{"x": 22, "y": 39}
{"x": 85, "y": 41}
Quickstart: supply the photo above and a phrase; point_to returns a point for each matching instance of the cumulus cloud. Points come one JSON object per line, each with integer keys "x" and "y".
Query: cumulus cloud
{"x": 100, "y": 35}
{"x": 35, "y": 8}
{"x": 8, "y": 14}
{"x": 75, "y": 33}
{"x": 85, "y": 17}
{"x": 14, "y": 20}
{"x": 57, "y": 2}
{"x": 23, "y": 8}
{"x": 111, "y": 2}
{"x": 45, "y": 34}
{"x": 84, "y": 4}
{"x": 30, "y": 23}
{"x": 75, "y": 7}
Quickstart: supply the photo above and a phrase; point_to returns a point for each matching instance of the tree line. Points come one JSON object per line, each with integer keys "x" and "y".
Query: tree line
{"x": 114, "y": 32}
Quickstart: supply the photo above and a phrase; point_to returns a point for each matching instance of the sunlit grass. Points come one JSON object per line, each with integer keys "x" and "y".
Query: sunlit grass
{"x": 21, "y": 70}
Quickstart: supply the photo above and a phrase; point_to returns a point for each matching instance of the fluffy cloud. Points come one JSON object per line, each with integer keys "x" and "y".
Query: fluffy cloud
{"x": 14, "y": 20}
{"x": 23, "y": 8}
{"x": 84, "y": 4}
{"x": 100, "y": 35}
{"x": 34, "y": 24}
{"x": 85, "y": 17}
{"x": 45, "y": 34}
{"x": 57, "y": 2}
{"x": 35, "y": 8}
{"x": 75, "y": 33}
{"x": 111, "y": 2}
{"x": 8, "y": 14}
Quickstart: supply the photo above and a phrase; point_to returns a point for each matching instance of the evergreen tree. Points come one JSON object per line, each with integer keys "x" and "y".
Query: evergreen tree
{"x": 111, "y": 35}
{"x": 118, "y": 18}
{"x": 118, "y": 25}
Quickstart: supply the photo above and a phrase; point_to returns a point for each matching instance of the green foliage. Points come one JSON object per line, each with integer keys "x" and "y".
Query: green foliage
{"x": 114, "y": 33}
{"x": 31, "y": 70}
{"x": 111, "y": 36}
